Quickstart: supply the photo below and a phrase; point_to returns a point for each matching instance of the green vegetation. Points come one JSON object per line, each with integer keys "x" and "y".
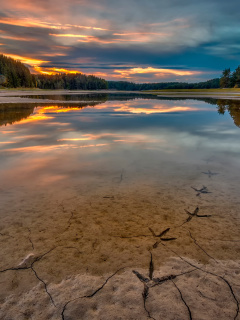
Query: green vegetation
{"x": 230, "y": 80}
{"x": 14, "y": 74}
{"x": 131, "y": 86}
{"x": 76, "y": 81}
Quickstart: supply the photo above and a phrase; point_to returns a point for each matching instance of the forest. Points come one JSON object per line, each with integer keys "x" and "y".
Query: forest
{"x": 14, "y": 74}
{"x": 76, "y": 81}
{"x": 131, "y": 86}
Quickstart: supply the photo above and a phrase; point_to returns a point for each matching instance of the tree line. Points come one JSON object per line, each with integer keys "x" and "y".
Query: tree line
{"x": 76, "y": 81}
{"x": 14, "y": 74}
{"x": 230, "y": 79}
{"x": 131, "y": 86}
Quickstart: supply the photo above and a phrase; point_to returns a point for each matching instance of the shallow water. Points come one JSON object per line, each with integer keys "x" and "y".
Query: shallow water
{"x": 141, "y": 137}
{"x": 88, "y": 181}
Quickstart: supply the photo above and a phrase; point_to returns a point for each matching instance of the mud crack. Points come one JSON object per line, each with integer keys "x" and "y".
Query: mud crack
{"x": 198, "y": 245}
{"x": 213, "y": 274}
{"x": 30, "y": 238}
{"x": 150, "y": 282}
{"x": 90, "y": 295}
{"x": 183, "y": 300}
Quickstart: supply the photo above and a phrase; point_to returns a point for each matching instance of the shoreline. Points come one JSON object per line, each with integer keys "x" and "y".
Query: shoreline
{"x": 18, "y": 96}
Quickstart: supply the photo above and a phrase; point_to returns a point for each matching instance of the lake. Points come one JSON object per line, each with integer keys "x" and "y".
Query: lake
{"x": 107, "y": 184}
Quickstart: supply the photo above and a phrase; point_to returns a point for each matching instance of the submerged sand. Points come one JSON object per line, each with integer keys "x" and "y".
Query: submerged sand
{"x": 74, "y": 259}
{"x": 69, "y": 247}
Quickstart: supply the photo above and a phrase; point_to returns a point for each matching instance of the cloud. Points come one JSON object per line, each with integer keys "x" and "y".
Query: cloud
{"x": 156, "y": 34}
{"x": 149, "y": 70}
{"x": 26, "y": 60}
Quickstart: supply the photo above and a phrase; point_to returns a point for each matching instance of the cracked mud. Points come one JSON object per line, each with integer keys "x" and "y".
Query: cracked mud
{"x": 122, "y": 252}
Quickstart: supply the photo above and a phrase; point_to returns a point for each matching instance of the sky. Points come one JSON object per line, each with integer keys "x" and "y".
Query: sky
{"x": 132, "y": 40}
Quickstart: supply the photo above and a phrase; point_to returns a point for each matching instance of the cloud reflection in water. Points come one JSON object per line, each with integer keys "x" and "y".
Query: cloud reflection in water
{"x": 64, "y": 141}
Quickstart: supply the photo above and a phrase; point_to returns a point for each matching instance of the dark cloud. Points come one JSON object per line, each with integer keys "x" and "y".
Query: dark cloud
{"x": 180, "y": 34}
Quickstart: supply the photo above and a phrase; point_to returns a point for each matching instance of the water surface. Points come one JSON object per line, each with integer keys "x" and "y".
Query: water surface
{"x": 87, "y": 180}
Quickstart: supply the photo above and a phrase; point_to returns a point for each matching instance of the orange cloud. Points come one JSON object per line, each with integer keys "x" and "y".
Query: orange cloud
{"x": 96, "y": 39}
{"x": 53, "y": 54}
{"x": 156, "y": 71}
{"x": 85, "y": 27}
{"x": 17, "y": 38}
{"x": 87, "y": 38}
{"x": 141, "y": 37}
{"x": 30, "y": 61}
{"x": 52, "y": 71}
{"x": 26, "y": 22}
{"x": 37, "y": 148}
{"x": 74, "y": 139}
{"x": 7, "y": 142}
{"x": 141, "y": 33}
{"x": 68, "y": 35}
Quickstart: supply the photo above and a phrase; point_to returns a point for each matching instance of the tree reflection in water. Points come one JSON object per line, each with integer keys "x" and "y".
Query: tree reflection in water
{"x": 15, "y": 112}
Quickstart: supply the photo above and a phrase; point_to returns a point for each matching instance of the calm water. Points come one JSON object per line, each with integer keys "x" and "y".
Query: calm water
{"x": 83, "y": 184}
{"x": 107, "y": 137}
{"x": 114, "y": 137}
{"x": 61, "y": 143}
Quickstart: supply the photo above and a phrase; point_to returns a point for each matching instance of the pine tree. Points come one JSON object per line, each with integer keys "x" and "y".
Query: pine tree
{"x": 225, "y": 80}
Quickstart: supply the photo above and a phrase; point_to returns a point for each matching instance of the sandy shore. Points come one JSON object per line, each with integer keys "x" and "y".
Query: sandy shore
{"x": 17, "y": 96}
{"x": 225, "y": 96}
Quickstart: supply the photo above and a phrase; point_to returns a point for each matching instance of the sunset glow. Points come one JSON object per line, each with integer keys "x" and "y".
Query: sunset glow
{"x": 26, "y": 22}
{"x": 119, "y": 159}
{"x": 61, "y": 36}
{"x": 127, "y": 73}
{"x": 54, "y": 70}
{"x": 67, "y": 35}
{"x": 28, "y": 61}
